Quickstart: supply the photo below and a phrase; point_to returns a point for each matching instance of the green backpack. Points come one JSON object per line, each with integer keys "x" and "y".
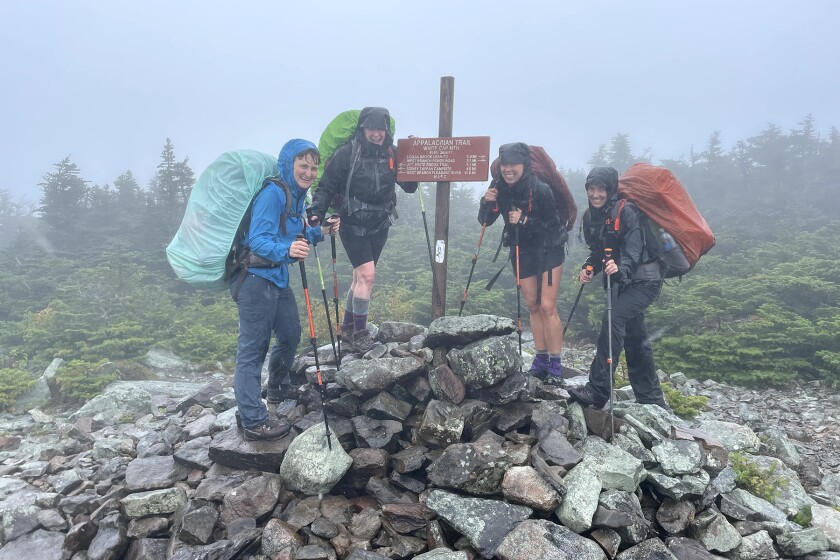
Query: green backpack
{"x": 340, "y": 131}
{"x": 218, "y": 207}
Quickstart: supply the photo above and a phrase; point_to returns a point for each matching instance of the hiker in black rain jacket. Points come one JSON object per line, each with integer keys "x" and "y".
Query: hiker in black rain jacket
{"x": 527, "y": 204}
{"x": 635, "y": 277}
{"x": 362, "y": 174}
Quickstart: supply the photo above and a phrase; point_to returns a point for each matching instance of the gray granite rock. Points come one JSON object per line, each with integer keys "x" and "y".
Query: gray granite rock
{"x": 486, "y": 362}
{"x": 459, "y": 331}
{"x": 485, "y": 523}
{"x": 540, "y": 538}
{"x": 310, "y": 466}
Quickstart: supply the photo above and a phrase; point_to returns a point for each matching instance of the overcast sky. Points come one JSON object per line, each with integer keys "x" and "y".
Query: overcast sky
{"x": 107, "y": 82}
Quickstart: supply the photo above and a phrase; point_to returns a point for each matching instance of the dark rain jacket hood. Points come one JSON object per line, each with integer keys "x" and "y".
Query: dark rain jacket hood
{"x": 607, "y": 177}
{"x": 516, "y": 152}
{"x": 286, "y": 160}
{"x": 378, "y": 118}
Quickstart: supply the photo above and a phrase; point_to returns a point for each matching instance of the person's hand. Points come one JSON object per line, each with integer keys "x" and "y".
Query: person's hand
{"x": 610, "y": 267}
{"x": 491, "y": 195}
{"x": 586, "y": 275}
{"x": 299, "y": 249}
{"x": 331, "y": 226}
{"x": 514, "y": 216}
{"x": 314, "y": 220}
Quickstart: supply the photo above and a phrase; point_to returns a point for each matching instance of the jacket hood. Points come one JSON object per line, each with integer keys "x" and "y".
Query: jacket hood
{"x": 516, "y": 152}
{"x": 286, "y": 159}
{"x": 375, "y": 117}
{"x": 607, "y": 177}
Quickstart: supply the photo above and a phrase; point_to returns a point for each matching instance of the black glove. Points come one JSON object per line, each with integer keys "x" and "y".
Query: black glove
{"x": 314, "y": 218}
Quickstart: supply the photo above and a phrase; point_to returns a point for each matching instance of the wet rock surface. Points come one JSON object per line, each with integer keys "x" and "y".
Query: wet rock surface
{"x": 461, "y": 460}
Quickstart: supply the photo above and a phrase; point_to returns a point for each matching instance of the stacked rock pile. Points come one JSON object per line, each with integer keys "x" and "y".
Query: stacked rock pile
{"x": 441, "y": 449}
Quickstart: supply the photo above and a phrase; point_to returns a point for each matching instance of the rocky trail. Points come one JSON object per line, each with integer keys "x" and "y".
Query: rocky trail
{"x": 464, "y": 459}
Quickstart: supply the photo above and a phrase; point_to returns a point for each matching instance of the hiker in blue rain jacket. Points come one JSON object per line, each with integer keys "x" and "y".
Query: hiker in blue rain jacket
{"x": 265, "y": 300}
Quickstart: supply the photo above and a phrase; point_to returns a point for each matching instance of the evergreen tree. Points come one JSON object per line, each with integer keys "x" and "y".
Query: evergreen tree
{"x": 600, "y": 158}
{"x": 170, "y": 190}
{"x": 14, "y": 217}
{"x": 128, "y": 190}
{"x": 620, "y": 155}
{"x": 64, "y": 196}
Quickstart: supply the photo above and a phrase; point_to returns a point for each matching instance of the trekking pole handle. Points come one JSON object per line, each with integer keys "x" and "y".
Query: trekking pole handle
{"x": 301, "y": 237}
{"x": 608, "y": 255}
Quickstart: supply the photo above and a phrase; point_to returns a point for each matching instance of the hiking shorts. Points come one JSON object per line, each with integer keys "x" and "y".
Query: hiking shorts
{"x": 529, "y": 262}
{"x": 365, "y": 248}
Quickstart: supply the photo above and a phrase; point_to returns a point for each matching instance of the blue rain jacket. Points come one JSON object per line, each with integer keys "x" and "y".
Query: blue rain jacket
{"x": 265, "y": 238}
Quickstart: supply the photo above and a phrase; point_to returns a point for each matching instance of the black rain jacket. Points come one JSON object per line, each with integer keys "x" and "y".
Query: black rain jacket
{"x": 627, "y": 244}
{"x": 543, "y": 229}
{"x": 372, "y": 195}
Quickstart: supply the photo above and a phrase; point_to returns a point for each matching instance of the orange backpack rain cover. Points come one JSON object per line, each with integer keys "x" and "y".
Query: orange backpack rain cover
{"x": 663, "y": 199}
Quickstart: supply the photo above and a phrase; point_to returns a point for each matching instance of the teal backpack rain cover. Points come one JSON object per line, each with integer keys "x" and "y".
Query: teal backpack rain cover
{"x": 217, "y": 204}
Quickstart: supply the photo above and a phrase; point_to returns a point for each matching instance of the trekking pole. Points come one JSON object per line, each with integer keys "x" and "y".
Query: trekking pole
{"x": 429, "y": 245}
{"x": 313, "y": 340}
{"x": 608, "y": 256}
{"x": 327, "y": 307}
{"x": 518, "y": 294}
{"x": 335, "y": 296}
{"x": 472, "y": 267}
{"x": 574, "y": 305}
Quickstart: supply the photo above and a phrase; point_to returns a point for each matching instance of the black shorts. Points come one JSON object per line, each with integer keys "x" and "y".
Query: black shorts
{"x": 529, "y": 262}
{"x": 363, "y": 249}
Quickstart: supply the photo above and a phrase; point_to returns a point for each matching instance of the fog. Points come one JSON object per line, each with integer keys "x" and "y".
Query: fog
{"x": 106, "y": 84}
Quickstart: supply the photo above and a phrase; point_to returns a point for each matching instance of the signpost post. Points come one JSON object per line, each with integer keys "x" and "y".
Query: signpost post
{"x": 442, "y": 160}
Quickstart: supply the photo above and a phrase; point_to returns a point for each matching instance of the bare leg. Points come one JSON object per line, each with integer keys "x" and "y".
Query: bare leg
{"x": 545, "y": 322}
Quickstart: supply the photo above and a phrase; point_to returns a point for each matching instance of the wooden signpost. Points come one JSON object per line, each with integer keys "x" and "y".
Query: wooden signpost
{"x": 443, "y": 160}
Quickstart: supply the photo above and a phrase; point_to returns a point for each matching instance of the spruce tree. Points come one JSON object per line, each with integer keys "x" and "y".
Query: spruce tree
{"x": 63, "y": 202}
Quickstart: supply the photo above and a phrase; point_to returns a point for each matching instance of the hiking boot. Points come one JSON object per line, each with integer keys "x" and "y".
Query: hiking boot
{"x": 346, "y": 335}
{"x": 270, "y": 429}
{"x": 555, "y": 371}
{"x": 363, "y": 342}
{"x": 539, "y": 365}
{"x": 587, "y": 397}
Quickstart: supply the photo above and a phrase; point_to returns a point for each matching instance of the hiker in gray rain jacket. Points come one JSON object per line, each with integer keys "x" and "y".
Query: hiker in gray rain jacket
{"x": 362, "y": 174}
{"x": 635, "y": 279}
{"x": 527, "y": 204}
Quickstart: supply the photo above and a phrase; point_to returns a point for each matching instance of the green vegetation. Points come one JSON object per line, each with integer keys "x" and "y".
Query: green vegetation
{"x": 683, "y": 405}
{"x": 87, "y": 279}
{"x": 13, "y": 383}
{"x": 754, "y": 479}
{"x": 803, "y": 516}
{"x": 79, "y": 381}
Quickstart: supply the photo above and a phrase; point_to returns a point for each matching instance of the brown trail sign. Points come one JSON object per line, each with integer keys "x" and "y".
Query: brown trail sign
{"x": 465, "y": 158}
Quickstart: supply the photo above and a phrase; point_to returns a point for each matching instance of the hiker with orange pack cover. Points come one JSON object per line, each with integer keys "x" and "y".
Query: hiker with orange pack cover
{"x": 617, "y": 248}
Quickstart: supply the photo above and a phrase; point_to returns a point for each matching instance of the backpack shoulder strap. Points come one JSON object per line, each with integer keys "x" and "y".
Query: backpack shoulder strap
{"x": 355, "y": 152}
{"x": 286, "y": 192}
{"x": 616, "y": 217}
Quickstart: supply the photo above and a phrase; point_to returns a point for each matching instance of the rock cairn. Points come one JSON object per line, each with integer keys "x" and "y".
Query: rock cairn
{"x": 461, "y": 459}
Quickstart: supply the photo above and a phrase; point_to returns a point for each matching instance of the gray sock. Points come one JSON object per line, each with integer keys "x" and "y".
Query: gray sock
{"x": 348, "y": 309}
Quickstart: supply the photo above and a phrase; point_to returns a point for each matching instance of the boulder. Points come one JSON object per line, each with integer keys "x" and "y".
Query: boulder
{"x": 310, "y": 466}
